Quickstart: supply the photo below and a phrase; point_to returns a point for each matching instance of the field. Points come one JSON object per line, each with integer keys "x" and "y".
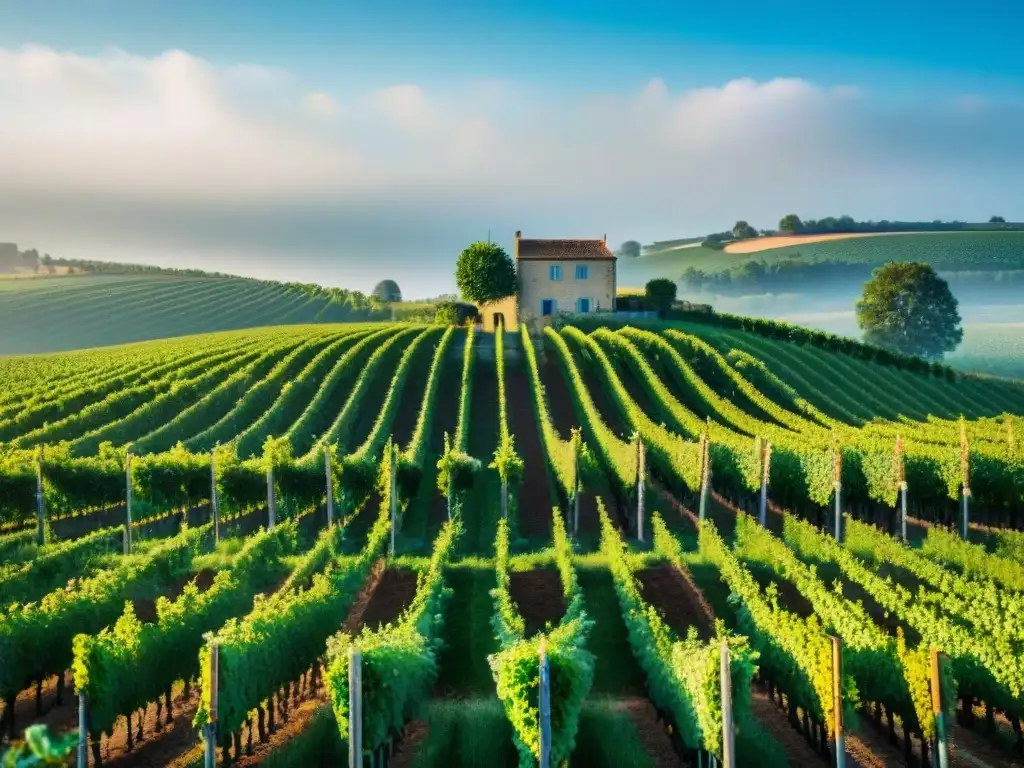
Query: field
{"x": 946, "y": 251}
{"x": 187, "y": 486}
{"x": 45, "y": 314}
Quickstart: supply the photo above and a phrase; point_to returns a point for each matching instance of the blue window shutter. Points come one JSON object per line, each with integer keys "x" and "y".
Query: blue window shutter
{"x": 582, "y": 272}
{"x": 547, "y": 307}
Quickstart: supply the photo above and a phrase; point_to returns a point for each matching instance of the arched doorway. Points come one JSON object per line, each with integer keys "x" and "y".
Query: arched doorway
{"x": 498, "y": 320}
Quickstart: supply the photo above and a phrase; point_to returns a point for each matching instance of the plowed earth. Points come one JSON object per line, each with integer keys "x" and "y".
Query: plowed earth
{"x": 539, "y": 598}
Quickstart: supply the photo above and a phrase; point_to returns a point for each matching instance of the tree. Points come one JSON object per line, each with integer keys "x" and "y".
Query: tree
{"x": 387, "y": 292}
{"x": 790, "y": 224}
{"x": 630, "y": 249}
{"x": 485, "y": 272}
{"x": 908, "y": 308}
{"x": 660, "y": 293}
{"x": 742, "y": 231}
{"x": 997, "y": 220}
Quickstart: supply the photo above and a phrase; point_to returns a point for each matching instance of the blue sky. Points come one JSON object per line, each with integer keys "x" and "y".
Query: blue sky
{"x": 367, "y": 137}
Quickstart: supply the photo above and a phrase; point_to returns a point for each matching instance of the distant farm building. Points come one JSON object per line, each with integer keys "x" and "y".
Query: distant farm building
{"x": 556, "y": 276}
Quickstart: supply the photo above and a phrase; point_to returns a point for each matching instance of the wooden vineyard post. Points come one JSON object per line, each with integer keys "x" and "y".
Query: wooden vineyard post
{"x": 214, "y": 507}
{"x": 837, "y": 459}
{"x": 330, "y": 485}
{"x": 705, "y": 474}
{"x": 641, "y": 476}
{"x": 544, "y": 706}
{"x": 393, "y": 492}
{"x": 40, "y": 501}
{"x": 504, "y": 499}
{"x": 355, "y": 708}
{"x": 210, "y": 731}
{"x": 271, "y": 499}
{"x": 128, "y": 503}
{"x": 837, "y": 700}
{"x": 728, "y": 729}
{"x": 965, "y": 468}
{"x": 766, "y": 463}
{"x": 83, "y": 733}
{"x": 901, "y": 475}
{"x": 941, "y": 757}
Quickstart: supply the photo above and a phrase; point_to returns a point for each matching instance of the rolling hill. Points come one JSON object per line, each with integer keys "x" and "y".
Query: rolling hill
{"x": 946, "y": 251}
{"x": 55, "y": 314}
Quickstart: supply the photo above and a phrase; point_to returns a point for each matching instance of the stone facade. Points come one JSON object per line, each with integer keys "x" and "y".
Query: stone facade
{"x": 564, "y": 276}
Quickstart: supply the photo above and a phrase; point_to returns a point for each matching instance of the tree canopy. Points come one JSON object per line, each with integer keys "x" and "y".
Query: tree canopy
{"x": 387, "y": 291}
{"x": 997, "y": 220}
{"x": 906, "y": 307}
{"x": 630, "y": 249}
{"x": 742, "y": 230}
{"x": 660, "y": 294}
{"x": 790, "y": 223}
{"x": 485, "y": 273}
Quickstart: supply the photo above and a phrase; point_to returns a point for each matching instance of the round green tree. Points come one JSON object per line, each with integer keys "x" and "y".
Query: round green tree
{"x": 660, "y": 294}
{"x": 908, "y": 308}
{"x": 790, "y": 224}
{"x": 387, "y": 291}
{"x": 485, "y": 272}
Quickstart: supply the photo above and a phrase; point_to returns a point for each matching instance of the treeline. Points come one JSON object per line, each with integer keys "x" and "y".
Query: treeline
{"x": 794, "y": 275}
{"x": 790, "y": 276}
{"x": 11, "y": 260}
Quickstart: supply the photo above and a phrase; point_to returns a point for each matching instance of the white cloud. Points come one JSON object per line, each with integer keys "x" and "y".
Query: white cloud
{"x": 320, "y": 104}
{"x": 83, "y": 137}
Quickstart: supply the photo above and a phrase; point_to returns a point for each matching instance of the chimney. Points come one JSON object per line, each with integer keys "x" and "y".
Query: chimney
{"x": 519, "y": 234}
{"x": 515, "y": 255}
{"x": 604, "y": 238}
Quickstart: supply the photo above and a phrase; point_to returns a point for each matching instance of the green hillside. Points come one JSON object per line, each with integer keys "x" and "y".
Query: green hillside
{"x": 81, "y": 311}
{"x": 946, "y": 251}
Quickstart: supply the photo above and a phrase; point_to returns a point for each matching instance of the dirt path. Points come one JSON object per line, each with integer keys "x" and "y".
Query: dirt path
{"x": 538, "y": 596}
{"x": 773, "y": 720}
{"x": 560, "y": 406}
{"x": 393, "y": 594}
{"x": 408, "y": 411}
{"x": 654, "y": 737}
{"x": 445, "y": 420}
{"x": 534, "y": 510}
{"x": 678, "y": 601}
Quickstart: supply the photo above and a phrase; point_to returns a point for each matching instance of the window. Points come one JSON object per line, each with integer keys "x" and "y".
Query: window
{"x": 582, "y": 271}
{"x": 582, "y": 305}
{"x": 555, "y": 272}
{"x": 547, "y": 307}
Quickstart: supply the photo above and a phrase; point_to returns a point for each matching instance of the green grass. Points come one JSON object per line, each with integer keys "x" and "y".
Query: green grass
{"x": 944, "y": 250}
{"x": 77, "y": 312}
{"x": 468, "y": 637}
{"x": 469, "y": 732}
{"x": 608, "y": 737}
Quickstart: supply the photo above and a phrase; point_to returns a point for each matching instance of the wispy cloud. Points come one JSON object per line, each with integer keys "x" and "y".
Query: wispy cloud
{"x": 130, "y": 153}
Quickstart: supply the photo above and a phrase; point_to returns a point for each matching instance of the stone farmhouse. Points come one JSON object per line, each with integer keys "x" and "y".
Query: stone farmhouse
{"x": 556, "y": 276}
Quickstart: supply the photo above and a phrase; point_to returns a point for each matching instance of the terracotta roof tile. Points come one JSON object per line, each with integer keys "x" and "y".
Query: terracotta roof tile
{"x": 565, "y": 250}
